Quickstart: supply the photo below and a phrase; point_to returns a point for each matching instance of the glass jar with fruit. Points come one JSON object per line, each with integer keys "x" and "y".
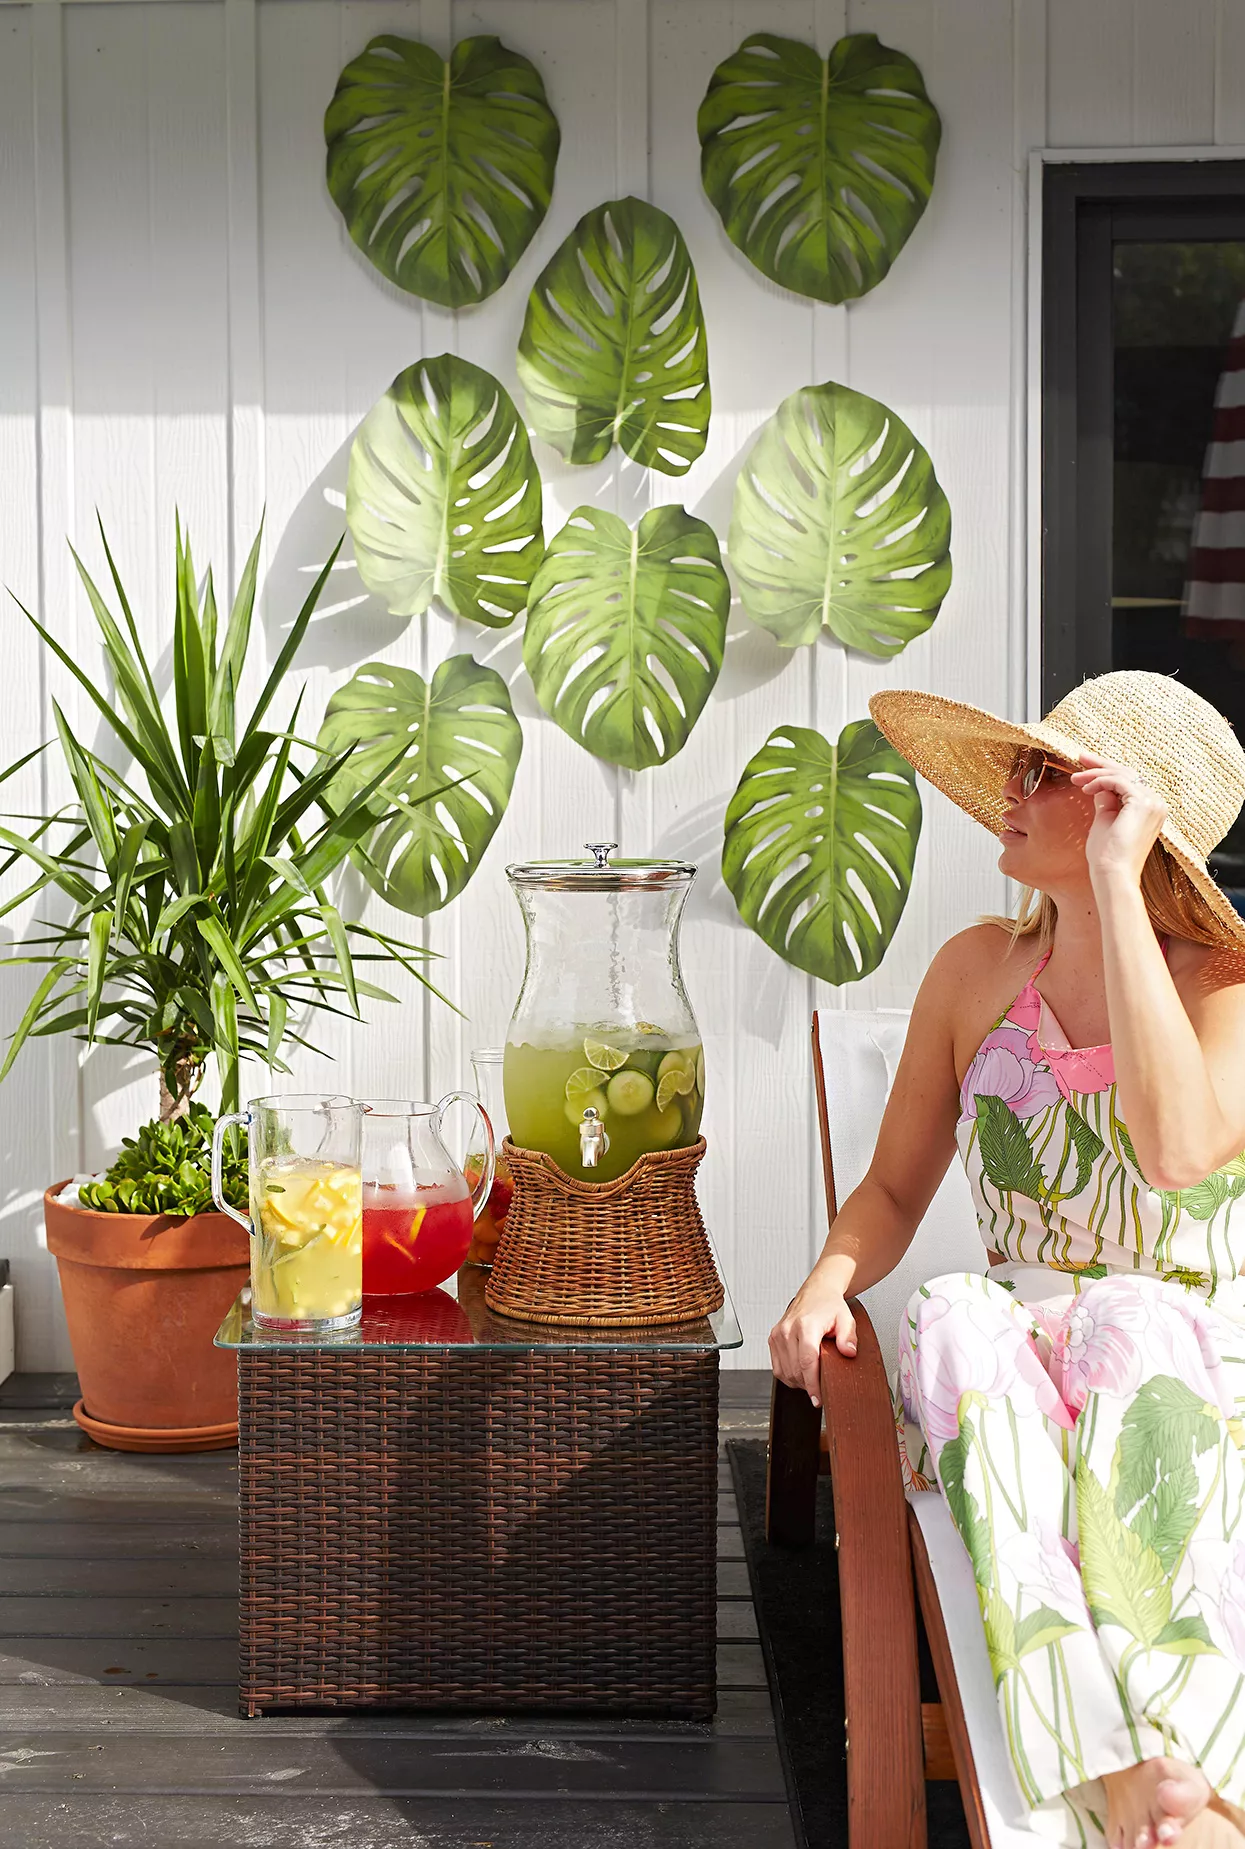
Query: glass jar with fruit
{"x": 603, "y": 1059}
{"x": 306, "y": 1199}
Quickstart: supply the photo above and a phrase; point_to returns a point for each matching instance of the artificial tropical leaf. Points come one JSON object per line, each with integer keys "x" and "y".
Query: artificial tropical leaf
{"x": 1006, "y": 1153}
{"x": 613, "y": 346}
{"x": 445, "y": 798}
{"x": 626, "y": 631}
{"x": 820, "y": 842}
{"x": 839, "y": 523}
{"x": 819, "y": 168}
{"x": 442, "y": 173}
{"x": 443, "y": 499}
{"x": 1124, "y": 1579}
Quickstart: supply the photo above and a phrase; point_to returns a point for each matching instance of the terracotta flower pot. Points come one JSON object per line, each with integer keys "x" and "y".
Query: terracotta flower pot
{"x": 144, "y": 1295}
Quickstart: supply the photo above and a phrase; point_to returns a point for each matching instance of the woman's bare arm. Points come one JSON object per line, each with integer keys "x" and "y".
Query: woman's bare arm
{"x": 1177, "y": 1025}
{"x": 875, "y": 1225}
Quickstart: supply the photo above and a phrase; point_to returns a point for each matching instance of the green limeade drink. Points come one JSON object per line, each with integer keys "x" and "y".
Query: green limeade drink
{"x": 647, "y": 1087}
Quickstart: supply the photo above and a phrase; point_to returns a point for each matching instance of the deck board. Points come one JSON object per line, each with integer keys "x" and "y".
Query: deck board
{"x": 118, "y": 1692}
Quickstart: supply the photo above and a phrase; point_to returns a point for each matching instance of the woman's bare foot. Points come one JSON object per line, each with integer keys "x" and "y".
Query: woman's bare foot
{"x": 1164, "y": 1801}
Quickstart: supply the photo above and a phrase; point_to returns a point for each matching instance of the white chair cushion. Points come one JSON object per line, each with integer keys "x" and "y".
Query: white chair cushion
{"x": 859, "y": 1058}
{"x": 860, "y": 1054}
{"x": 1011, "y": 1825}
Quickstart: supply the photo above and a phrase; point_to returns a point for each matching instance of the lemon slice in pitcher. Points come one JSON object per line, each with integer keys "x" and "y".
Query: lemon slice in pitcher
{"x": 604, "y": 1058}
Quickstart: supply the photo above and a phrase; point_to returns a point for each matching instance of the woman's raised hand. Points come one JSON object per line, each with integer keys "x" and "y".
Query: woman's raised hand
{"x": 795, "y": 1340}
{"x": 1127, "y": 817}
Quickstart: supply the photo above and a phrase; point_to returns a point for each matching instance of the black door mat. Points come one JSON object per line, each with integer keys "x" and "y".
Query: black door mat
{"x": 796, "y": 1595}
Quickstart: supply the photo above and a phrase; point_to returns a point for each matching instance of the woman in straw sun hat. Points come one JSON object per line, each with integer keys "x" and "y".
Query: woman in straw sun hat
{"x": 1082, "y": 1403}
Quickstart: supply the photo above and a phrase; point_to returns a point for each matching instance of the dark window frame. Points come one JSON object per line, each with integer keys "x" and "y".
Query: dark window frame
{"x": 1085, "y": 207}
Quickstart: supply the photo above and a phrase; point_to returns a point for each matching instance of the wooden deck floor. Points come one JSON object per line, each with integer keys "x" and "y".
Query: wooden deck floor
{"x": 118, "y": 1712}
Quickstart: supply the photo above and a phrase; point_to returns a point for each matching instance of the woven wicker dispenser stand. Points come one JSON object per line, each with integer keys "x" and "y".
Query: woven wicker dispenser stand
{"x": 621, "y": 1254}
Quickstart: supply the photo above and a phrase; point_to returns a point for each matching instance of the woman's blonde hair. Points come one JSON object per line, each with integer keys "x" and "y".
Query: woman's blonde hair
{"x": 1175, "y": 906}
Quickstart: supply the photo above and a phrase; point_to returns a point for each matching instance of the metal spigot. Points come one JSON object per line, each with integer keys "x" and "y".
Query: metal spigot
{"x": 594, "y": 1139}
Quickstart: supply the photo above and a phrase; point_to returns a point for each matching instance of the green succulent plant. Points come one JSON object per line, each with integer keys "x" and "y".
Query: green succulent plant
{"x": 199, "y": 919}
{"x": 166, "y": 1169}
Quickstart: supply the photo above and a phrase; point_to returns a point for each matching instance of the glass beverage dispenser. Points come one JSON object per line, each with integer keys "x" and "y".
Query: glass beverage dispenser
{"x": 603, "y": 1058}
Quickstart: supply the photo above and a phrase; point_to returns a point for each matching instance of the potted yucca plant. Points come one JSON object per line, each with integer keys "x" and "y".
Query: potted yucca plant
{"x": 193, "y": 918}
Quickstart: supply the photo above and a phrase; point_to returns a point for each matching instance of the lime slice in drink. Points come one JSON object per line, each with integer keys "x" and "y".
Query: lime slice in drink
{"x": 629, "y": 1092}
{"x": 667, "y": 1125}
{"x": 577, "y": 1104}
{"x": 681, "y": 1069}
{"x": 604, "y": 1058}
{"x": 585, "y": 1078}
{"x": 700, "y": 1072}
{"x": 667, "y": 1089}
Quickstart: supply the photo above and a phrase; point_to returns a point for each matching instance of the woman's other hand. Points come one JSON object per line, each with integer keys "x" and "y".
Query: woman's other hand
{"x": 1128, "y": 815}
{"x": 796, "y": 1338}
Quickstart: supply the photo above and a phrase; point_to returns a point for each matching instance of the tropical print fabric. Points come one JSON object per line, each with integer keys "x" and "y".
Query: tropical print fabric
{"x": 1055, "y": 1179}
{"x": 1090, "y": 1457}
{"x": 1081, "y": 1410}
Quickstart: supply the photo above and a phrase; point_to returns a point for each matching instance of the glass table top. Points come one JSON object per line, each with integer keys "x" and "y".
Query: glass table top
{"x": 456, "y": 1315}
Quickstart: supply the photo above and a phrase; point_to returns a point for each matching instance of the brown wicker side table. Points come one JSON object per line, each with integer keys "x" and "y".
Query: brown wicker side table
{"x": 445, "y": 1509}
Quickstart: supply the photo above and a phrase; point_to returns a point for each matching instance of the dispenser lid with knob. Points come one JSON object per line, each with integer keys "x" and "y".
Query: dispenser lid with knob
{"x": 601, "y": 873}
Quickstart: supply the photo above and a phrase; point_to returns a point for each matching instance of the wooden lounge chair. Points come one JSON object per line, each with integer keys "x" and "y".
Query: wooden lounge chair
{"x": 888, "y": 1542}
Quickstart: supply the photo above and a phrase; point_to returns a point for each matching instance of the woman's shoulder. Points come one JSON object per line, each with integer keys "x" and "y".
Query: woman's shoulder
{"x": 985, "y": 956}
{"x": 973, "y": 980}
{"x": 1203, "y": 971}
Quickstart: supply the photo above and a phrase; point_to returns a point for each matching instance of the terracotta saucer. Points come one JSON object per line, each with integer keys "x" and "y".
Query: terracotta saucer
{"x": 156, "y": 1438}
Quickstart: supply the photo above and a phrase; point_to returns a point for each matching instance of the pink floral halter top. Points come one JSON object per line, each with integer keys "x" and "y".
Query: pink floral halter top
{"x": 1055, "y": 1179}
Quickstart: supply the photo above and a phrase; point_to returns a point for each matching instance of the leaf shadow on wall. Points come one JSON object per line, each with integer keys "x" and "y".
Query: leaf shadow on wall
{"x": 753, "y": 658}
{"x": 350, "y": 625}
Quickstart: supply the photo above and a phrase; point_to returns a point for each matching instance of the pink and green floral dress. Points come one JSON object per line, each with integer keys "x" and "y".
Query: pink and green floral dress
{"x": 1081, "y": 1408}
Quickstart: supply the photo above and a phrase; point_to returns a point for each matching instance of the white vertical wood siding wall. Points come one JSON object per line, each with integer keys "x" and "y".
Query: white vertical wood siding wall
{"x": 185, "y": 324}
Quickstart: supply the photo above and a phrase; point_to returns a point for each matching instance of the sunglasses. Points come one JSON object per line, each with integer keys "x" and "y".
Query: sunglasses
{"x": 1032, "y": 767}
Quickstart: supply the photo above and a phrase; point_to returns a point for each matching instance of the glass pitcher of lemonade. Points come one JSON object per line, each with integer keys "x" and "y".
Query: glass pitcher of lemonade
{"x": 306, "y": 1221}
{"x": 603, "y": 1057}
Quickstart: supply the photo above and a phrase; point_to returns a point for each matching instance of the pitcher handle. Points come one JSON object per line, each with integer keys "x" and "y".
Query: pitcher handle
{"x": 223, "y": 1124}
{"x": 483, "y": 1187}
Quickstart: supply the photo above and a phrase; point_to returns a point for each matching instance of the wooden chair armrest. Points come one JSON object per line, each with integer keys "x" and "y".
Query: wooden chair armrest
{"x": 885, "y": 1760}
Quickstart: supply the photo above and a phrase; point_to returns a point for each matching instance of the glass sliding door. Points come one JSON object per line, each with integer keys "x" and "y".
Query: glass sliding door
{"x": 1144, "y": 432}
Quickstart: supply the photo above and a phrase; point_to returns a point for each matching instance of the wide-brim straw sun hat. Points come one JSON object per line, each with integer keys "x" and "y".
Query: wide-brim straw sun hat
{"x": 1175, "y": 740}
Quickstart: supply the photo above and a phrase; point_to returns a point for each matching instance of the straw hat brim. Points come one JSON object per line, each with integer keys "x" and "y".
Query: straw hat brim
{"x": 968, "y": 754}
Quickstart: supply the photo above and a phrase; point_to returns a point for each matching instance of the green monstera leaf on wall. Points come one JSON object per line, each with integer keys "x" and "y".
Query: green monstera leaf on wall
{"x": 613, "y": 346}
{"x": 839, "y": 523}
{"x": 442, "y": 172}
{"x": 626, "y": 630}
{"x": 819, "y": 167}
{"x": 820, "y": 844}
{"x": 443, "y": 499}
{"x": 452, "y": 786}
